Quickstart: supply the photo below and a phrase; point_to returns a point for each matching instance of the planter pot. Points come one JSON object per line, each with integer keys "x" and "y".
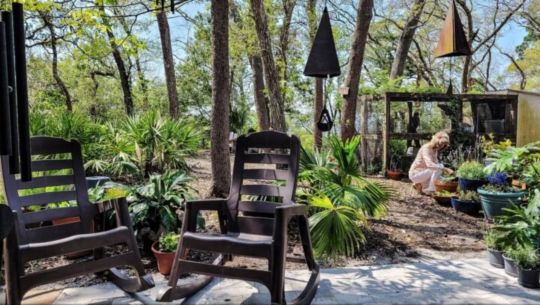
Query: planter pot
{"x": 449, "y": 186}
{"x": 467, "y": 207}
{"x": 394, "y": 175}
{"x": 510, "y": 267}
{"x": 94, "y": 181}
{"x": 495, "y": 258}
{"x": 494, "y": 203}
{"x": 529, "y": 278}
{"x": 443, "y": 200}
{"x": 470, "y": 185}
{"x": 164, "y": 259}
{"x": 69, "y": 220}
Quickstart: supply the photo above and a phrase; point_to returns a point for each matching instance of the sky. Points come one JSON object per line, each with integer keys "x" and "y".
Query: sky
{"x": 181, "y": 31}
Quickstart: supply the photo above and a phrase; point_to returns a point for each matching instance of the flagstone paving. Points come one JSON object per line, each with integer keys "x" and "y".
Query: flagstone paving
{"x": 466, "y": 281}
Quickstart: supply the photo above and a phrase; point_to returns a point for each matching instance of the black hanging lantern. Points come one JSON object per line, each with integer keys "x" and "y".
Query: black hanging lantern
{"x": 323, "y": 63}
{"x": 325, "y": 122}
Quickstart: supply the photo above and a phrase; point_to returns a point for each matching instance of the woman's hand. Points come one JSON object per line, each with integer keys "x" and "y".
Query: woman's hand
{"x": 448, "y": 171}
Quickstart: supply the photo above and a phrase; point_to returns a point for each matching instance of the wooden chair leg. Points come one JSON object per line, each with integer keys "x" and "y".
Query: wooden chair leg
{"x": 14, "y": 294}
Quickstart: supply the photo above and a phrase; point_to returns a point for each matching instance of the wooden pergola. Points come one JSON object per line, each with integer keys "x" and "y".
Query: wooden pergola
{"x": 389, "y": 98}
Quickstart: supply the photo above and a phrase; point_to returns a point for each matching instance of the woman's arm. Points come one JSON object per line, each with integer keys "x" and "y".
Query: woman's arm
{"x": 430, "y": 159}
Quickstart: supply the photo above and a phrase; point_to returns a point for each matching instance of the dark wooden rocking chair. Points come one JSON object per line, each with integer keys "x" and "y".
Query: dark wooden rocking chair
{"x": 250, "y": 224}
{"x": 36, "y": 237}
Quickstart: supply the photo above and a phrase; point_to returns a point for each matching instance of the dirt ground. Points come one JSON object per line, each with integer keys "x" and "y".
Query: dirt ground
{"x": 414, "y": 227}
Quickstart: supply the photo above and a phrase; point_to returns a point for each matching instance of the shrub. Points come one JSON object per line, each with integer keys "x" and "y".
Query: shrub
{"x": 468, "y": 196}
{"x": 168, "y": 242}
{"x": 527, "y": 258}
{"x": 341, "y": 198}
{"x": 471, "y": 170}
{"x": 493, "y": 240}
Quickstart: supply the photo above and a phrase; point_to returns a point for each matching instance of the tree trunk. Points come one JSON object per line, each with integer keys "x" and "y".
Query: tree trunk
{"x": 288, "y": 10}
{"x": 123, "y": 72}
{"x": 318, "y": 82}
{"x": 221, "y": 173}
{"x": 276, "y": 105}
{"x": 405, "y": 41}
{"x": 356, "y": 59}
{"x": 261, "y": 102}
{"x": 56, "y": 75}
{"x": 168, "y": 62}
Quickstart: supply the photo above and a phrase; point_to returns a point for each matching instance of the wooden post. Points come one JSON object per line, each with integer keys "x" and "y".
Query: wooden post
{"x": 386, "y": 134}
{"x": 364, "y": 132}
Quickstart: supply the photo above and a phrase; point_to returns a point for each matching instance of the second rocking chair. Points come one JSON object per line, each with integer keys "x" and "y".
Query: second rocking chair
{"x": 254, "y": 221}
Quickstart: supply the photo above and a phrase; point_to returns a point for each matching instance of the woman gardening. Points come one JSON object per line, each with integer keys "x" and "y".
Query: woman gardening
{"x": 426, "y": 169}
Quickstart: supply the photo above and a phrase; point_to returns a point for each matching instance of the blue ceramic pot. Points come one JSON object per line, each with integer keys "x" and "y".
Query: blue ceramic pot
{"x": 470, "y": 185}
{"x": 493, "y": 203}
{"x": 467, "y": 207}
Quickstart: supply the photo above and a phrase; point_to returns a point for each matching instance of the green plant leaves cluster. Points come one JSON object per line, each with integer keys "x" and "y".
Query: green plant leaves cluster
{"x": 342, "y": 199}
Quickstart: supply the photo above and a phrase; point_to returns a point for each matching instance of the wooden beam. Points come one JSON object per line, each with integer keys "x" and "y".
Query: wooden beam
{"x": 386, "y": 134}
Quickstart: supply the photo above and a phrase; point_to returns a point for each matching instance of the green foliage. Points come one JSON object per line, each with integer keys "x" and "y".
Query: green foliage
{"x": 512, "y": 160}
{"x": 158, "y": 203}
{"x": 520, "y": 226}
{"x": 469, "y": 196}
{"x": 168, "y": 242}
{"x": 342, "y": 198}
{"x": 527, "y": 258}
{"x": 471, "y": 170}
{"x": 493, "y": 240}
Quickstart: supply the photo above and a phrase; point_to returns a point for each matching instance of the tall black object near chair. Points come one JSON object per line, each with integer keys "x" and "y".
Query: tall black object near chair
{"x": 14, "y": 122}
{"x": 323, "y": 63}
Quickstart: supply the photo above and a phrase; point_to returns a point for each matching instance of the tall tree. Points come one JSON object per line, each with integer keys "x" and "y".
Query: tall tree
{"x": 168, "y": 61}
{"x": 221, "y": 167}
{"x": 356, "y": 59}
{"x": 276, "y": 105}
{"x": 318, "y": 82}
{"x": 406, "y": 38}
{"x": 123, "y": 71}
{"x": 261, "y": 102}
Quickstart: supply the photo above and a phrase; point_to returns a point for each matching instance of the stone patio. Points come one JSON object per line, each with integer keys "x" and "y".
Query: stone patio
{"x": 466, "y": 281}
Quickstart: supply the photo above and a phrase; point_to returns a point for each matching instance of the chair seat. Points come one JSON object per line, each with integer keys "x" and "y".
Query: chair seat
{"x": 231, "y": 243}
{"x": 73, "y": 243}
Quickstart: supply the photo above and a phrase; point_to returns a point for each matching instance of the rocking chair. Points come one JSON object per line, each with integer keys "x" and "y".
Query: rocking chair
{"x": 36, "y": 235}
{"x": 253, "y": 221}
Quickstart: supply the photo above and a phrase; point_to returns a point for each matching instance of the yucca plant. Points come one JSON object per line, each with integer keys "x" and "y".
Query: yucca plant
{"x": 342, "y": 199}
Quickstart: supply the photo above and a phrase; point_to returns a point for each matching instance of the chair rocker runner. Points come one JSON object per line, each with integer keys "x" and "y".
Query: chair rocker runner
{"x": 254, "y": 221}
{"x": 34, "y": 235}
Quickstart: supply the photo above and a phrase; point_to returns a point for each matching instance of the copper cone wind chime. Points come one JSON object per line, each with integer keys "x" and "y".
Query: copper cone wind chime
{"x": 452, "y": 39}
{"x": 14, "y": 124}
{"x": 323, "y": 63}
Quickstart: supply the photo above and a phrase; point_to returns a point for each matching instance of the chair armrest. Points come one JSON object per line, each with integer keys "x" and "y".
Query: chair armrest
{"x": 287, "y": 211}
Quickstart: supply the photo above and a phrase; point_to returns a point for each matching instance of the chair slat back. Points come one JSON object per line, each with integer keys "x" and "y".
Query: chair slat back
{"x": 57, "y": 191}
{"x": 264, "y": 177}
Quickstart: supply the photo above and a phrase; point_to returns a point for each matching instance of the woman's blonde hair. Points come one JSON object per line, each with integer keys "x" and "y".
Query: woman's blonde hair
{"x": 439, "y": 140}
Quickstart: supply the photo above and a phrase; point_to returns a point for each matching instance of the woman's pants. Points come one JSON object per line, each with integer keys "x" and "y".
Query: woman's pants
{"x": 427, "y": 178}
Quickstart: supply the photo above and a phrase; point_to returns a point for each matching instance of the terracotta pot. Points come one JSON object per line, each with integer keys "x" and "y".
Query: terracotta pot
{"x": 394, "y": 175}
{"x": 69, "y": 220}
{"x": 164, "y": 259}
{"x": 450, "y": 186}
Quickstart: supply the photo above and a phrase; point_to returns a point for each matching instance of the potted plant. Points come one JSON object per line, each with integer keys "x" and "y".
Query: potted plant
{"x": 510, "y": 266}
{"x": 447, "y": 182}
{"x": 494, "y": 249}
{"x": 470, "y": 175}
{"x": 498, "y": 195}
{"x": 394, "y": 172}
{"x": 164, "y": 250}
{"x": 443, "y": 197}
{"x": 467, "y": 202}
{"x": 527, "y": 261}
